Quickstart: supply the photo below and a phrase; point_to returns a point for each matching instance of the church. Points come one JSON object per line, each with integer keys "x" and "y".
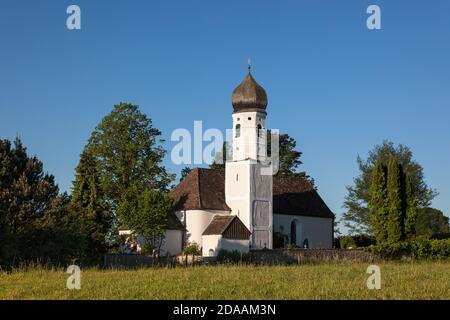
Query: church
{"x": 246, "y": 207}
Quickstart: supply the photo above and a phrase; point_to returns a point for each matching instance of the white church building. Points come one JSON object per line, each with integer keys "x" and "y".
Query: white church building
{"x": 245, "y": 206}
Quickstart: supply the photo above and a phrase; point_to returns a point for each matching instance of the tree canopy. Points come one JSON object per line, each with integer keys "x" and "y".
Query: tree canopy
{"x": 357, "y": 216}
{"x": 34, "y": 220}
{"x": 432, "y": 223}
{"x": 184, "y": 172}
{"x": 148, "y": 214}
{"x": 129, "y": 151}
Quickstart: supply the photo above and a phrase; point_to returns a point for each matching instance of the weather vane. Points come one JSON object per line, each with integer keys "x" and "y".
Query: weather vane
{"x": 249, "y": 62}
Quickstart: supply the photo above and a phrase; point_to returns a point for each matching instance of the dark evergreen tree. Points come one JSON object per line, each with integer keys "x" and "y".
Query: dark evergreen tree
{"x": 222, "y": 157}
{"x": 90, "y": 207}
{"x": 289, "y": 156}
{"x": 184, "y": 172}
{"x": 411, "y": 207}
{"x": 34, "y": 222}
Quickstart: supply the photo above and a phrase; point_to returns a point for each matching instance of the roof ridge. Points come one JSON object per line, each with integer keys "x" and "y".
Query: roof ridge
{"x": 229, "y": 223}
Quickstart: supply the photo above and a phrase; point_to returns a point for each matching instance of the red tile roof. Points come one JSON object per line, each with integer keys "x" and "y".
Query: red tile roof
{"x": 201, "y": 189}
{"x": 231, "y": 227}
{"x": 204, "y": 189}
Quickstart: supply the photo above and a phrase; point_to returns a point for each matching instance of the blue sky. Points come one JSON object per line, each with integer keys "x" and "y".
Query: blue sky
{"x": 334, "y": 85}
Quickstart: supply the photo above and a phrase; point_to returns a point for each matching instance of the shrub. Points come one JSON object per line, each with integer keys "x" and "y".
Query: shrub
{"x": 363, "y": 240}
{"x": 441, "y": 247}
{"x": 225, "y": 256}
{"x": 193, "y": 249}
{"x": 291, "y": 246}
{"x": 147, "y": 250}
{"x": 279, "y": 240}
{"x": 418, "y": 248}
{"x": 391, "y": 250}
{"x": 354, "y": 241}
{"x": 347, "y": 242}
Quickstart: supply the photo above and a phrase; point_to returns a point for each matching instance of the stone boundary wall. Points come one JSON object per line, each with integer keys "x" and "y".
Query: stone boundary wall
{"x": 139, "y": 260}
{"x": 299, "y": 256}
{"x": 263, "y": 257}
{"x": 135, "y": 261}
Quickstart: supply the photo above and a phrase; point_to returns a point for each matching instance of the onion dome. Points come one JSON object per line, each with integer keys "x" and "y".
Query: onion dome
{"x": 249, "y": 96}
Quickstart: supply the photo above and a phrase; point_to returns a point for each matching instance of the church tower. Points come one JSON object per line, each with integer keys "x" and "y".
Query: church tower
{"x": 248, "y": 188}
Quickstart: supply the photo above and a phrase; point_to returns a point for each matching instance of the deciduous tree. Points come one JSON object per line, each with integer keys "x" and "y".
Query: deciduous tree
{"x": 357, "y": 216}
{"x": 129, "y": 151}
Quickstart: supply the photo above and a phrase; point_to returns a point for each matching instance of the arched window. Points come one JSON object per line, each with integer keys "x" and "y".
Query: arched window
{"x": 293, "y": 232}
{"x": 211, "y": 252}
{"x": 238, "y": 131}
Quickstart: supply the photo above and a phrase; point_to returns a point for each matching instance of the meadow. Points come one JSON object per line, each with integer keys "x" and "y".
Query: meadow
{"x": 399, "y": 280}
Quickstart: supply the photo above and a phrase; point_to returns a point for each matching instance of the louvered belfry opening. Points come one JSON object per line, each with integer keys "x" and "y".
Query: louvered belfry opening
{"x": 236, "y": 230}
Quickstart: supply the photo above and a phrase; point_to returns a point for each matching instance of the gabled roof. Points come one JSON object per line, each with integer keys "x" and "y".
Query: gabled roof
{"x": 230, "y": 227}
{"x": 201, "y": 189}
{"x": 204, "y": 189}
{"x": 297, "y": 196}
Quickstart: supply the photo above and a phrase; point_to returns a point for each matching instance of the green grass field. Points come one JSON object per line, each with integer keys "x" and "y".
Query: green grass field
{"x": 408, "y": 280}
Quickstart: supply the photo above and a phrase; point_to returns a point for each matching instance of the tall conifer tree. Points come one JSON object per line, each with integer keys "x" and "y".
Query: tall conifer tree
{"x": 379, "y": 202}
{"x": 394, "y": 193}
{"x": 90, "y": 207}
{"x": 411, "y": 208}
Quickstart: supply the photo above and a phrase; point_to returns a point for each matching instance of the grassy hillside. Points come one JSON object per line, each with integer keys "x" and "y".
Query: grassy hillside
{"x": 418, "y": 280}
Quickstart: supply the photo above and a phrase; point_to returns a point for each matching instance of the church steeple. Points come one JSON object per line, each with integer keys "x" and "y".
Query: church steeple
{"x": 249, "y": 95}
{"x": 248, "y": 191}
{"x": 249, "y": 101}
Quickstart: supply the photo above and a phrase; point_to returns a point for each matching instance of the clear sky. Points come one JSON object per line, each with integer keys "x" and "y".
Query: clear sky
{"x": 334, "y": 85}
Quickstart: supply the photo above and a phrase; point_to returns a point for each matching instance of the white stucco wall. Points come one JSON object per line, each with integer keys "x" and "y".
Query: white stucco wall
{"x": 196, "y": 222}
{"x": 211, "y": 242}
{"x": 237, "y": 189}
{"x": 171, "y": 245}
{"x": 318, "y": 231}
{"x": 215, "y": 243}
{"x": 233, "y": 244}
{"x": 246, "y": 146}
{"x": 246, "y": 192}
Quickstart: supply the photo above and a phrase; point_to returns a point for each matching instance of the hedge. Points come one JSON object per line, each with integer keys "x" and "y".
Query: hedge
{"x": 419, "y": 248}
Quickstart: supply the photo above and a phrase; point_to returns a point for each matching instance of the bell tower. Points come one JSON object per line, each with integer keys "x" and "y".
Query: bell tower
{"x": 248, "y": 191}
